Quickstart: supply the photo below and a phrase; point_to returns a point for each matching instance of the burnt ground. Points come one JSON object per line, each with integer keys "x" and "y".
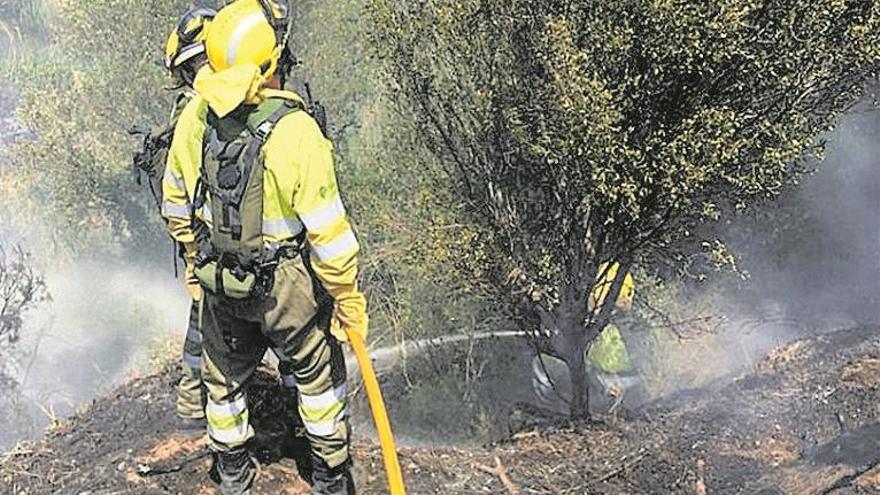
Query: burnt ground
{"x": 807, "y": 421}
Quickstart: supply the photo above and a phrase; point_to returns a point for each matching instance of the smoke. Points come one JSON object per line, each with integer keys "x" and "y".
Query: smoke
{"x": 102, "y": 323}
{"x": 813, "y": 259}
{"x": 818, "y": 258}
{"x": 105, "y": 316}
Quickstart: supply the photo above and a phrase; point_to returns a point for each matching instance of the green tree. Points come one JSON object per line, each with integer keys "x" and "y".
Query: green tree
{"x": 22, "y": 289}
{"x": 409, "y": 234}
{"x": 582, "y": 132}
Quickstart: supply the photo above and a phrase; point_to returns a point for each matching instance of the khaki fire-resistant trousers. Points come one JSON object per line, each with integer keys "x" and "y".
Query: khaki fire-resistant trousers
{"x": 236, "y": 334}
{"x": 191, "y": 396}
{"x": 190, "y": 393}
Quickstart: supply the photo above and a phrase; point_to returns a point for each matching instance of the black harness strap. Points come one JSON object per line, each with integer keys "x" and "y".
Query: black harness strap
{"x": 239, "y": 165}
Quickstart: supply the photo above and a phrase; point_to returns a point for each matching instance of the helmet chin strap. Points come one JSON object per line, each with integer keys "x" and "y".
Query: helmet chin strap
{"x": 278, "y": 16}
{"x": 188, "y": 77}
{"x": 190, "y": 68}
{"x": 280, "y": 23}
{"x": 286, "y": 62}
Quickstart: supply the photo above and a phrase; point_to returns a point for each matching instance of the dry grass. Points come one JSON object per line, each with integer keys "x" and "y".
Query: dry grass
{"x": 863, "y": 373}
{"x": 172, "y": 447}
{"x": 774, "y": 449}
{"x": 782, "y": 355}
{"x": 870, "y": 481}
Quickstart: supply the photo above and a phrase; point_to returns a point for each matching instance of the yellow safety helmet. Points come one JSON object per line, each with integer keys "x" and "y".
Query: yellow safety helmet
{"x": 248, "y": 32}
{"x": 187, "y": 41}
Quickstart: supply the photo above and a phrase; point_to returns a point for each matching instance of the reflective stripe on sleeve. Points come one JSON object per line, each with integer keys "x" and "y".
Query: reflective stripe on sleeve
{"x": 323, "y": 216}
{"x": 282, "y": 227}
{"x": 175, "y": 210}
{"x": 344, "y": 244}
{"x": 173, "y": 180}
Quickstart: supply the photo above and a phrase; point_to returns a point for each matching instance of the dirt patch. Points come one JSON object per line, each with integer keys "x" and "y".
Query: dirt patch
{"x": 870, "y": 480}
{"x": 774, "y": 449}
{"x": 175, "y": 446}
{"x": 794, "y": 427}
{"x": 863, "y": 373}
{"x": 782, "y": 355}
{"x": 798, "y": 481}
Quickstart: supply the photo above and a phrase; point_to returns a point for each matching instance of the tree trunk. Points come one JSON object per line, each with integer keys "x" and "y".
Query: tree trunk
{"x": 569, "y": 337}
{"x": 580, "y": 397}
{"x": 570, "y": 345}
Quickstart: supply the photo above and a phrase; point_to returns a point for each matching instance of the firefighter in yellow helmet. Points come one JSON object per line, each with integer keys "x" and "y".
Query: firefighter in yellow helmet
{"x": 185, "y": 56}
{"x": 276, "y": 255}
{"x": 185, "y": 48}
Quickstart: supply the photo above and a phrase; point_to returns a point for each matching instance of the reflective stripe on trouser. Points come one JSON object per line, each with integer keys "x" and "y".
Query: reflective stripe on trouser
{"x": 190, "y": 393}
{"x": 227, "y": 412}
{"x": 237, "y": 334}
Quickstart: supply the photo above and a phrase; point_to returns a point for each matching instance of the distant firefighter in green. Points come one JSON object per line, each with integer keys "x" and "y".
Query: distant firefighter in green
{"x": 607, "y": 358}
{"x": 608, "y": 353}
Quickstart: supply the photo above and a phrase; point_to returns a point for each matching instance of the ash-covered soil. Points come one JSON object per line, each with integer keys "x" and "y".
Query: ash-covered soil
{"x": 807, "y": 421}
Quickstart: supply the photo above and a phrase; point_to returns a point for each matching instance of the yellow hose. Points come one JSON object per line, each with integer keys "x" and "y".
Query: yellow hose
{"x": 380, "y": 415}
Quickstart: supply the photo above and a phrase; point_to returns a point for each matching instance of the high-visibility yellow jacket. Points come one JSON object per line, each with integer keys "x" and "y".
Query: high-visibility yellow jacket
{"x": 608, "y": 352}
{"x": 189, "y": 277}
{"x": 604, "y": 279}
{"x": 300, "y": 192}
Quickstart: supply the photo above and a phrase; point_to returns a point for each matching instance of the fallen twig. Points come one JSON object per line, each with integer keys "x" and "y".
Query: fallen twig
{"x": 700, "y": 485}
{"x": 500, "y": 472}
{"x": 19, "y": 472}
{"x": 616, "y": 472}
{"x": 526, "y": 434}
{"x": 16, "y": 453}
{"x": 145, "y": 470}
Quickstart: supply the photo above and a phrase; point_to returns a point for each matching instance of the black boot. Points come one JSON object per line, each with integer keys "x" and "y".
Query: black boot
{"x": 331, "y": 481}
{"x": 236, "y": 471}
